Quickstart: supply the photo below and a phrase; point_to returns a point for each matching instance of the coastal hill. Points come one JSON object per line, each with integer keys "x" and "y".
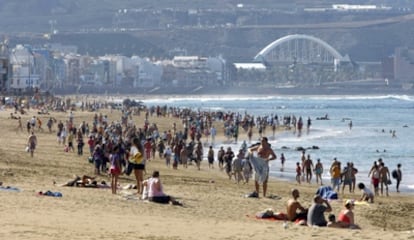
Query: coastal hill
{"x": 237, "y": 31}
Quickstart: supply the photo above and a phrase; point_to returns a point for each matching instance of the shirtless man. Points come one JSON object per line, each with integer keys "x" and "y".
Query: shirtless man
{"x": 293, "y": 206}
{"x": 265, "y": 152}
{"x": 384, "y": 174}
{"x": 308, "y": 166}
{"x": 31, "y": 143}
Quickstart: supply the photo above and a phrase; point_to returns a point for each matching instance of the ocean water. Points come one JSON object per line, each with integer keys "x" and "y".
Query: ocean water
{"x": 373, "y": 118}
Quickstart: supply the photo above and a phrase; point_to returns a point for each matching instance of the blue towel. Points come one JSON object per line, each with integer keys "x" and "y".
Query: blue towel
{"x": 9, "y": 189}
{"x": 52, "y": 194}
{"x": 326, "y": 192}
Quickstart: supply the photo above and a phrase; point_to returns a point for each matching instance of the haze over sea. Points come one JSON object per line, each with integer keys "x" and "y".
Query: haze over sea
{"x": 373, "y": 118}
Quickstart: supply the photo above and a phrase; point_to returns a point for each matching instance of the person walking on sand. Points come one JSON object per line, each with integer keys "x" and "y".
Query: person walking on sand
{"x": 19, "y": 125}
{"x": 32, "y": 143}
{"x": 384, "y": 178}
{"x": 210, "y": 157}
{"x": 265, "y": 152}
{"x": 397, "y": 174}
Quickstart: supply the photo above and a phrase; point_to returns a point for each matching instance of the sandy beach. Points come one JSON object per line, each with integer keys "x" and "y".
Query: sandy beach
{"x": 214, "y": 206}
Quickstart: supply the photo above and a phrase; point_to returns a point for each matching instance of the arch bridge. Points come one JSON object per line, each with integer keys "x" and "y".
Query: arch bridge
{"x": 300, "y": 48}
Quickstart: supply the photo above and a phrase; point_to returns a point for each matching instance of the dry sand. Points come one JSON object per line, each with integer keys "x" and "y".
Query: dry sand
{"x": 214, "y": 207}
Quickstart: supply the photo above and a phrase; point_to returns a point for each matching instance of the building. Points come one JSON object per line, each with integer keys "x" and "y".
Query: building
{"x": 404, "y": 66}
{"x": 23, "y": 69}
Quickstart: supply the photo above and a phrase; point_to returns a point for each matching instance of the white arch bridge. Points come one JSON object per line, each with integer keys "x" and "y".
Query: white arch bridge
{"x": 300, "y": 48}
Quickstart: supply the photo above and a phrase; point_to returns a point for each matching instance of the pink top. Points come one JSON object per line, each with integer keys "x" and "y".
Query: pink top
{"x": 155, "y": 188}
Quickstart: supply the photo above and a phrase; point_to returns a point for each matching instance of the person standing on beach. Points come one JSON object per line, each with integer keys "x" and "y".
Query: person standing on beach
{"x": 308, "y": 125}
{"x": 397, "y": 174}
{"x": 220, "y": 157}
{"x": 167, "y": 156}
{"x": 335, "y": 171}
{"x": 184, "y": 156}
{"x": 210, "y": 157}
{"x": 282, "y": 162}
{"x": 115, "y": 169}
{"x": 136, "y": 158}
{"x": 303, "y": 159}
{"x": 298, "y": 172}
{"x": 308, "y": 168}
{"x": 265, "y": 152}
{"x": 318, "y": 171}
{"x": 347, "y": 177}
{"x": 19, "y": 124}
{"x": 384, "y": 177}
{"x": 32, "y": 143}
{"x": 247, "y": 169}
{"x": 374, "y": 174}
{"x": 228, "y": 159}
{"x": 238, "y": 167}
{"x": 213, "y": 133}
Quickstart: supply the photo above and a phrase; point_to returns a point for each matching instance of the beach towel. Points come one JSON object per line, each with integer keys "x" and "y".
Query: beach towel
{"x": 326, "y": 192}
{"x": 50, "y": 194}
{"x": 269, "y": 214}
{"x": 128, "y": 195}
{"x": 357, "y": 202}
{"x": 9, "y": 189}
{"x": 260, "y": 167}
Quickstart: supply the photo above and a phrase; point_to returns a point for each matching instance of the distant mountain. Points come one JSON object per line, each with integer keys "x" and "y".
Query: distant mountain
{"x": 35, "y": 15}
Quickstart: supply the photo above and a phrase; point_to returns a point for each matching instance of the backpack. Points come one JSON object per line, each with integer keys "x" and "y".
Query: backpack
{"x": 394, "y": 174}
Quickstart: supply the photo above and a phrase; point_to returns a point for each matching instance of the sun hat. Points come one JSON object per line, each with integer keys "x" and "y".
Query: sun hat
{"x": 349, "y": 202}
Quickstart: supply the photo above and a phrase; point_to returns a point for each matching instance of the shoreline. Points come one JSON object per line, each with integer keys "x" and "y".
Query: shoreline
{"x": 214, "y": 206}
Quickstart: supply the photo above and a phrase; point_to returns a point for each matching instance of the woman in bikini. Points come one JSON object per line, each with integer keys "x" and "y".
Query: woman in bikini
{"x": 346, "y": 216}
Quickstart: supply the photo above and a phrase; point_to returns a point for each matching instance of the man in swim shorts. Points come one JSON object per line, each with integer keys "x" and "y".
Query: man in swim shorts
{"x": 265, "y": 152}
{"x": 294, "y": 210}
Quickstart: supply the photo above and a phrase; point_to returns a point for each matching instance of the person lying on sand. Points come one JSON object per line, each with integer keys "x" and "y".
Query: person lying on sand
{"x": 85, "y": 181}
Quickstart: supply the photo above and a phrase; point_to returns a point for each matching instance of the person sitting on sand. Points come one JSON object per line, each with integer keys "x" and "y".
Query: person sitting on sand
{"x": 332, "y": 222}
{"x": 316, "y": 212}
{"x": 346, "y": 216}
{"x": 155, "y": 190}
{"x": 292, "y": 208}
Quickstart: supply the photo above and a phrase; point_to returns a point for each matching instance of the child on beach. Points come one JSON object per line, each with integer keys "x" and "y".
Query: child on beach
{"x": 115, "y": 169}
{"x": 367, "y": 194}
{"x": 238, "y": 167}
{"x": 298, "y": 172}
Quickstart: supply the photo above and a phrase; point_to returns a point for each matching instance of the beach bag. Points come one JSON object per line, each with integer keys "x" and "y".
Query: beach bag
{"x": 137, "y": 158}
{"x": 394, "y": 174}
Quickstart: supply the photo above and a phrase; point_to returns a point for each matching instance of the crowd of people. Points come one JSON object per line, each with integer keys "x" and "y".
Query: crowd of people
{"x": 127, "y": 148}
